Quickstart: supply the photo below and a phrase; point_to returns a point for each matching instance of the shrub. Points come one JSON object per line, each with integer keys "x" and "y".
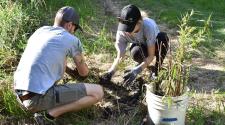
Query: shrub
{"x": 173, "y": 78}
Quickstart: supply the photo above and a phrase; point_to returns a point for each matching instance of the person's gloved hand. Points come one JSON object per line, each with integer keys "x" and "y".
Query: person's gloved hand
{"x": 153, "y": 73}
{"x": 153, "y": 76}
{"x": 107, "y": 76}
{"x": 130, "y": 76}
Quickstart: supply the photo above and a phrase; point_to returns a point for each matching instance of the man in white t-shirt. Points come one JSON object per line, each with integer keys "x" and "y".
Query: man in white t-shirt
{"x": 43, "y": 63}
{"x": 146, "y": 43}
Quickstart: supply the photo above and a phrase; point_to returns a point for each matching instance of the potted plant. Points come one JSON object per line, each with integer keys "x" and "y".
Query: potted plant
{"x": 167, "y": 96}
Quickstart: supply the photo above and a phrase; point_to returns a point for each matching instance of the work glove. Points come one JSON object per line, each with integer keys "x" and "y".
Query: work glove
{"x": 153, "y": 76}
{"x": 153, "y": 73}
{"x": 107, "y": 76}
{"x": 130, "y": 76}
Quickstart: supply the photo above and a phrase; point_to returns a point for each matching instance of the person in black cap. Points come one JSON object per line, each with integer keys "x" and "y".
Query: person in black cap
{"x": 44, "y": 62}
{"x": 146, "y": 43}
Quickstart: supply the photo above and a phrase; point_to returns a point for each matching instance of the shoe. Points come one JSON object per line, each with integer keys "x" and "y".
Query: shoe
{"x": 41, "y": 119}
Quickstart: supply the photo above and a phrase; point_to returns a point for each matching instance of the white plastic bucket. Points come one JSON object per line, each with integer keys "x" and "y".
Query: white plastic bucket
{"x": 162, "y": 114}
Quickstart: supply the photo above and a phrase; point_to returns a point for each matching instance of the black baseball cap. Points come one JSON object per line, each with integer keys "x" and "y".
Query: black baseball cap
{"x": 128, "y": 18}
{"x": 69, "y": 14}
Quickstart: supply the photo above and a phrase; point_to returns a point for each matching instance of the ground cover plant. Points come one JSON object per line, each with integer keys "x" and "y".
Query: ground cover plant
{"x": 20, "y": 18}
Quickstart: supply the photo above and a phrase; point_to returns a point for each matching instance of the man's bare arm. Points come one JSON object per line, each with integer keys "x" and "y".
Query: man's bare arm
{"x": 81, "y": 65}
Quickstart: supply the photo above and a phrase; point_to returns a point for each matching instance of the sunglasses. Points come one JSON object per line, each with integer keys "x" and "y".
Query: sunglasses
{"x": 130, "y": 20}
{"x": 76, "y": 26}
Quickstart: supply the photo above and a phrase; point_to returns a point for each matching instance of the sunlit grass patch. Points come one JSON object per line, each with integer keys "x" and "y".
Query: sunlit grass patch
{"x": 102, "y": 42}
{"x": 207, "y": 108}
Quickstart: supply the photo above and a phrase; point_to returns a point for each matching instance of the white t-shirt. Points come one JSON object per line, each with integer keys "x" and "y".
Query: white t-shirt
{"x": 43, "y": 60}
{"x": 147, "y": 35}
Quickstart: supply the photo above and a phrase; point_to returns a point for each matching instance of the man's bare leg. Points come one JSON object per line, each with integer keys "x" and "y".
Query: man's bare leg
{"x": 94, "y": 94}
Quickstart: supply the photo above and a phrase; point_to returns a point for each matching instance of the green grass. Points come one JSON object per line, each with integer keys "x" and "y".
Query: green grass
{"x": 196, "y": 116}
{"x": 206, "y": 108}
{"x": 199, "y": 115}
{"x": 9, "y": 100}
{"x": 11, "y": 25}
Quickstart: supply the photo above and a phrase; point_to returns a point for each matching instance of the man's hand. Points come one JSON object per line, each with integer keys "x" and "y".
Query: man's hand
{"x": 74, "y": 73}
{"x": 130, "y": 76}
{"x": 81, "y": 65}
{"x": 107, "y": 76}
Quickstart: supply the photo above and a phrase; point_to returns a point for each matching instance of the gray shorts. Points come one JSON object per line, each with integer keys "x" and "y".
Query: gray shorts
{"x": 56, "y": 96}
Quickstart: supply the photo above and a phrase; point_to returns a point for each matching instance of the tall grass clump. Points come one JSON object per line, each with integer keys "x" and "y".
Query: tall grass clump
{"x": 18, "y": 21}
{"x": 173, "y": 79}
{"x": 11, "y": 106}
{"x": 102, "y": 43}
{"x": 11, "y": 30}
